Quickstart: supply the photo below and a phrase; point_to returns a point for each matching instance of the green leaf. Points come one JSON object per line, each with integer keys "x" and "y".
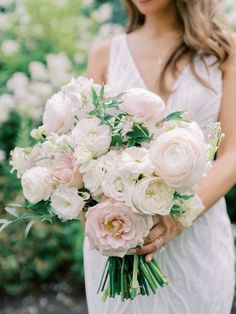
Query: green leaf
{"x": 28, "y": 227}
{"x": 177, "y": 115}
{"x": 102, "y": 91}
{"x": 93, "y": 113}
{"x": 117, "y": 140}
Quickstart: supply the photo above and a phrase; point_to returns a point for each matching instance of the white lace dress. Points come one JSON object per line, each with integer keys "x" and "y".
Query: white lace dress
{"x": 200, "y": 262}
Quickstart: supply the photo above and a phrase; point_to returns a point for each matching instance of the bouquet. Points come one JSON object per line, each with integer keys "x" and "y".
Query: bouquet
{"x": 116, "y": 160}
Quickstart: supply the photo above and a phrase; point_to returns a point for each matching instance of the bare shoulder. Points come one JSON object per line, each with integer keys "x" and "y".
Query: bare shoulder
{"x": 230, "y": 64}
{"x": 98, "y": 60}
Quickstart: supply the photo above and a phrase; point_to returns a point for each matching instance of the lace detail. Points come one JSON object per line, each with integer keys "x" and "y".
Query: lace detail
{"x": 200, "y": 262}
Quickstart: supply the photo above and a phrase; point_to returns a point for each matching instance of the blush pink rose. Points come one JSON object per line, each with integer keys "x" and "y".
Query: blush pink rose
{"x": 66, "y": 172}
{"x": 144, "y": 105}
{"x": 112, "y": 228}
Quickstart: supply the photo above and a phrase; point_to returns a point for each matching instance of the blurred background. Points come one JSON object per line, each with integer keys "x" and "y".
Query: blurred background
{"x": 43, "y": 43}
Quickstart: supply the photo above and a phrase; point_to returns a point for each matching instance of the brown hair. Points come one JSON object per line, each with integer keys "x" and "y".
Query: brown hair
{"x": 201, "y": 34}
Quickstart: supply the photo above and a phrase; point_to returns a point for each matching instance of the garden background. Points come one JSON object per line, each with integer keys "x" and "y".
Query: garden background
{"x": 42, "y": 44}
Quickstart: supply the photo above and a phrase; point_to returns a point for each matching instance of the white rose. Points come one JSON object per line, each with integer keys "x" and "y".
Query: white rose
{"x": 136, "y": 160}
{"x": 180, "y": 156}
{"x": 58, "y": 116}
{"x": 37, "y": 184}
{"x": 116, "y": 185}
{"x": 152, "y": 196}
{"x": 110, "y": 160}
{"x": 93, "y": 179}
{"x": 91, "y": 134}
{"x": 66, "y": 203}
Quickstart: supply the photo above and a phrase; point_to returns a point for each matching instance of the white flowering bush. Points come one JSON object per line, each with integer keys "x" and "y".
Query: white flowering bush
{"x": 42, "y": 44}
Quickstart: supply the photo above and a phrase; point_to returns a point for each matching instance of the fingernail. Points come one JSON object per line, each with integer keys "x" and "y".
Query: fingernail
{"x": 148, "y": 259}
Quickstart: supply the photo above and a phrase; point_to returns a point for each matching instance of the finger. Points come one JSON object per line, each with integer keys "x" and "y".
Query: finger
{"x": 155, "y": 233}
{"x": 149, "y": 257}
{"x": 156, "y": 219}
{"x": 151, "y": 247}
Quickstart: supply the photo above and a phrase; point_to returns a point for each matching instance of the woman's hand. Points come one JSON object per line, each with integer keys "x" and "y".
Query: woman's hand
{"x": 165, "y": 229}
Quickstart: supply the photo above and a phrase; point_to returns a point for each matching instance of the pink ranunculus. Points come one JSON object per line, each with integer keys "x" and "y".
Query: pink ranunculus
{"x": 143, "y": 105}
{"x": 112, "y": 228}
{"x": 66, "y": 172}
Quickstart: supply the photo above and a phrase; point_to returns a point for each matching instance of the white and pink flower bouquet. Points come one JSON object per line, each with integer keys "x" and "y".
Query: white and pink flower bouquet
{"x": 115, "y": 160}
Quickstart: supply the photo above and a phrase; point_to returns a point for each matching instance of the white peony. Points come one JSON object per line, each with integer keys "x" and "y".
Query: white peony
{"x": 67, "y": 204}
{"x": 180, "y": 156}
{"x": 37, "y": 184}
{"x": 58, "y": 116}
{"x": 136, "y": 160}
{"x": 89, "y": 133}
{"x": 152, "y": 196}
{"x": 93, "y": 179}
{"x": 115, "y": 185}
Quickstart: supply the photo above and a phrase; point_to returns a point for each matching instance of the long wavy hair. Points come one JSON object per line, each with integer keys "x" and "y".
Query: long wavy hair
{"x": 201, "y": 35}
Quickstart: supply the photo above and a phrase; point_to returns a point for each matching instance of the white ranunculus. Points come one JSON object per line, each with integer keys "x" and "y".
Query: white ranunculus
{"x": 136, "y": 160}
{"x": 58, "y": 116}
{"x": 89, "y": 133}
{"x": 66, "y": 203}
{"x": 115, "y": 185}
{"x": 37, "y": 184}
{"x": 93, "y": 179}
{"x": 180, "y": 156}
{"x": 152, "y": 196}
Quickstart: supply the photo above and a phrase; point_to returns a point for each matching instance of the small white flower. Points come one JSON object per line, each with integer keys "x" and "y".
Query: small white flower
{"x": 18, "y": 82}
{"x": 136, "y": 160}
{"x": 38, "y": 71}
{"x": 6, "y": 105}
{"x": 89, "y": 133}
{"x": 23, "y": 159}
{"x": 152, "y": 196}
{"x": 2, "y": 155}
{"x": 10, "y": 47}
{"x": 37, "y": 184}
{"x": 83, "y": 155}
{"x": 66, "y": 203}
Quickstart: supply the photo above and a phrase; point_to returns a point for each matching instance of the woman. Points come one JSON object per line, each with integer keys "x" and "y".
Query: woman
{"x": 175, "y": 49}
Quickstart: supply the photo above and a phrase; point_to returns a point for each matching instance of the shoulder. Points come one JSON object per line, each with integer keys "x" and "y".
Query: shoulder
{"x": 98, "y": 60}
{"x": 230, "y": 63}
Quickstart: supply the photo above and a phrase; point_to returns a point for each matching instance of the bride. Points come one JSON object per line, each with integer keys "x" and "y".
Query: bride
{"x": 176, "y": 49}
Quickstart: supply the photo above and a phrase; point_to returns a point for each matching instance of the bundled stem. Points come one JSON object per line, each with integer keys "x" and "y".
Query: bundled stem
{"x": 130, "y": 276}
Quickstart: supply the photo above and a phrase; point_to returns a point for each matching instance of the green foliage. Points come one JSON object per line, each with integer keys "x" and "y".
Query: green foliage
{"x": 24, "y": 263}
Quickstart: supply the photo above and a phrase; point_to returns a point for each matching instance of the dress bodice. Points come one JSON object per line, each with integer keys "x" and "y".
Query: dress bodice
{"x": 201, "y": 103}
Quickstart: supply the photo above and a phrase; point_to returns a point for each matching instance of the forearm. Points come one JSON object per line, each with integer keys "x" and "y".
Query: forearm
{"x": 220, "y": 179}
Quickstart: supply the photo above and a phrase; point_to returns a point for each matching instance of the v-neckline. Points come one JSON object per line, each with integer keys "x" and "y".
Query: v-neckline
{"x": 140, "y": 77}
